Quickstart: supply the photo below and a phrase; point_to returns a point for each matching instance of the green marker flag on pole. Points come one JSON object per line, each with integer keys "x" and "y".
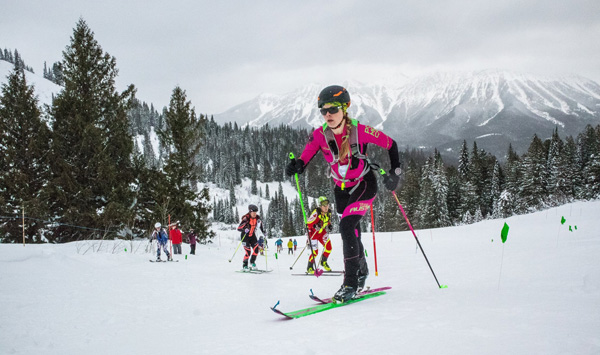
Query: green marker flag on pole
{"x": 504, "y": 233}
{"x": 563, "y": 220}
{"x": 570, "y": 229}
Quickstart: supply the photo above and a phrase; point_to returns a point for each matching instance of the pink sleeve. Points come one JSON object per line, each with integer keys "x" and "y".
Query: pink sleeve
{"x": 312, "y": 147}
{"x": 368, "y": 134}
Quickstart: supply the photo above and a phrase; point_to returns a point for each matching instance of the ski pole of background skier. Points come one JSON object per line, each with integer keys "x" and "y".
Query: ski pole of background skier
{"x": 236, "y": 249}
{"x": 318, "y": 271}
{"x": 382, "y": 172}
{"x": 315, "y": 233}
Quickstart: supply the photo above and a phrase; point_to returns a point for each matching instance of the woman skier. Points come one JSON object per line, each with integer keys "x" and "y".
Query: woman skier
{"x": 343, "y": 143}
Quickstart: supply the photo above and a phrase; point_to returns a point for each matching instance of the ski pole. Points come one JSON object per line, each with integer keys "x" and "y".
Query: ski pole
{"x": 236, "y": 249}
{"x": 305, "y": 247}
{"x": 417, "y": 239}
{"x": 374, "y": 246}
{"x": 382, "y": 172}
{"x": 318, "y": 271}
{"x": 291, "y": 267}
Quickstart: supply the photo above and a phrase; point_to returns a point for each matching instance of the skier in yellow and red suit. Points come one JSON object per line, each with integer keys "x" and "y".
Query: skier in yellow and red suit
{"x": 318, "y": 225}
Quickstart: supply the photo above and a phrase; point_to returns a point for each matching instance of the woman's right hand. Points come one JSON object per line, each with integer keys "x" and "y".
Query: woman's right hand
{"x": 295, "y": 166}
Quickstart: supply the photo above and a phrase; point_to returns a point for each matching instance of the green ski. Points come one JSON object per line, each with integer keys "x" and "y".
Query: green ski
{"x": 323, "y": 307}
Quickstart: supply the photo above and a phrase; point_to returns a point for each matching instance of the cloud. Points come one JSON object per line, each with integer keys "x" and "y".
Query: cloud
{"x": 224, "y": 52}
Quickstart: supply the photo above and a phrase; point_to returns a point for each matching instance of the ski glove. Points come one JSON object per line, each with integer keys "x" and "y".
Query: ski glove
{"x": 295, "y": 166}
{"x": 392, "y": 178}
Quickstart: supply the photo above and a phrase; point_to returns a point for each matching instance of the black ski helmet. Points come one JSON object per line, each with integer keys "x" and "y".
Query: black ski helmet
{"x": 252, "y": 208}
{"x": 334, "y": 93}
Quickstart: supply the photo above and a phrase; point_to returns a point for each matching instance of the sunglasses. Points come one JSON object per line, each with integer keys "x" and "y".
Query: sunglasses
{"x": 332, "y": 110}
{"x": 325, "y": 203}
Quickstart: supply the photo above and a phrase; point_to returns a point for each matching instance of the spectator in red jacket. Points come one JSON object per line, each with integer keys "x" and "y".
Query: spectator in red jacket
{"x": 176, "y": 239}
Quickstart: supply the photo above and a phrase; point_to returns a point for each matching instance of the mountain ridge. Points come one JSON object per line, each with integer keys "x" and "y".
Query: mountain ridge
{"x": 442, "y": 109}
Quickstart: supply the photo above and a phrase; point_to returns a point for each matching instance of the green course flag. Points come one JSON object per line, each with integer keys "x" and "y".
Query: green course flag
{"x": 504, "y": 233}
{"x": 570, "y": 229}
{"x": 563, "y": 220}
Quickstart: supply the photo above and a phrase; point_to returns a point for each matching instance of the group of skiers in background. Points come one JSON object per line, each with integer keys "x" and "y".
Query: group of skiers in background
{"x": 176, "y": 237}
{"x": 343, "y": 142}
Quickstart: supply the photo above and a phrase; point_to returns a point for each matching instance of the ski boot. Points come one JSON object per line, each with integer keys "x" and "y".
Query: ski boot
{"x": 345, "y": 293}
{"x": 253, "y": 266}
{"x": 325, "y": 265}
{"x": 158, "y": 259}
{"x": 309, "y": 268}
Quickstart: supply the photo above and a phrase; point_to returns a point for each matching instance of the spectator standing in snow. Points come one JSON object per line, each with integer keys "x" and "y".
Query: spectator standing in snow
{"x": 176, "y": 239}
{"x": 279, "y": 245}
{"x": 343, "y": 142}
{"x": 192, "y": 238}
{"x": 290, "y": 246}
{"x": 295, "y": 245}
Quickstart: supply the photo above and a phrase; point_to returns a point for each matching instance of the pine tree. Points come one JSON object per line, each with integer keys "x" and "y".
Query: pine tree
{"x": 23, "y": 157}
{"x": 553, "y": 168}
{"x": 496, "y": 188}
{"x": 410, "y": 192}
{"x": 463, "y": 162}
{"x": 91, "y": 145}
{"x": 182, "y": 138}
{"x": 533, "y": 187}
{"x": 568, "y": 172}
{"x": 590, "y": 162}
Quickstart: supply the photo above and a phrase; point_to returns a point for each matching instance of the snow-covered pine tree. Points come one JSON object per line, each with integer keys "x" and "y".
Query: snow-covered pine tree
{"x": 496, "y": 185}
{"x": 533, "y": 185}
{"x": 24, "y": 144}
{"x": 463, "y": 162}
{"x": 91, "y": 147}
{"x": 589, "y": 150}
{"x": 553, "y": 169}
{"x": 182, "y": 138}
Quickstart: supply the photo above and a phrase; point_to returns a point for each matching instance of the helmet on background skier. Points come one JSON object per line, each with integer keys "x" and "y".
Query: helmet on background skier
{"x": 157, "y": 225}
{"x": 336, "y": 95}
{"x": 252, "y": 208}
{"x": 323, "y": 200}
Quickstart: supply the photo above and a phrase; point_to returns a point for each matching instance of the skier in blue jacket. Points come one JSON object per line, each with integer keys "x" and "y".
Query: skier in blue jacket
{"x": 161, "y": 237}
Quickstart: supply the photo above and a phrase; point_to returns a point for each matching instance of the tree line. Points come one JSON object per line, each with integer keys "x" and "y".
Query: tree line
{"x": 72, "y": 170}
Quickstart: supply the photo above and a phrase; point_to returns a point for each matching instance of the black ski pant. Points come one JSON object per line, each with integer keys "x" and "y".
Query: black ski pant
{"x": 352, "y": 203}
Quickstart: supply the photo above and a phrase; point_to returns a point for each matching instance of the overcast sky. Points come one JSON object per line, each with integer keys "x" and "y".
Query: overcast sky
{"x": 226, "y": 52}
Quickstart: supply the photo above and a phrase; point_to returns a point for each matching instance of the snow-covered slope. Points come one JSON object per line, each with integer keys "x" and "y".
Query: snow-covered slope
{"x": 440, "y": 110}
{"x": 536, "y": 294}
{"x": 44, "y": 89}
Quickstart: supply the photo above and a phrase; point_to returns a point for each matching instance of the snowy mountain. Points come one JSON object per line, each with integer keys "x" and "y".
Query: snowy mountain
{"x": 535, "y": 294}
{"x": 440, "y": 110}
